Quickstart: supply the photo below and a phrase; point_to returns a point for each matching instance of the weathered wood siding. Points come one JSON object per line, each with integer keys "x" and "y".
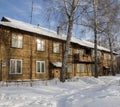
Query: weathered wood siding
{"x": 29, "y": 55}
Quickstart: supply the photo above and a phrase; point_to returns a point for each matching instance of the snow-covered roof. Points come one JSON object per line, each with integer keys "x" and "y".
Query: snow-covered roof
{"x": 46, "y": 32}
{"x": 57, "y": 64}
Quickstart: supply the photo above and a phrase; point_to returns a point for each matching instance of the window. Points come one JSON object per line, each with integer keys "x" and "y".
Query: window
{"x": 40, "y": 66}
{"x": 56, "y": 48}
{"x": 114, "y": 58}
{"x": 109, "y": 57}
{"x": 69, "y": 67}
{"x": 80, "y": 51}
{"x": 70, "y": 51}
{"x": 87, "y": 51}
{"x": 105, "y": 56}
{"x": 81, "y": 68}
{"x": 17, "y": 41}
{"x": 40, "y": 45}
{"x": 98, "y": 53}
{"x": 15, "y": 66}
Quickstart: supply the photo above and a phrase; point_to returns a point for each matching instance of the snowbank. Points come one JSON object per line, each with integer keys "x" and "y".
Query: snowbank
{"x": 77, "y": 92}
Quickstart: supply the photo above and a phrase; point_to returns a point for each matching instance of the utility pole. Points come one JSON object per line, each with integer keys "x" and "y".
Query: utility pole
{"x": 31, "y": 15}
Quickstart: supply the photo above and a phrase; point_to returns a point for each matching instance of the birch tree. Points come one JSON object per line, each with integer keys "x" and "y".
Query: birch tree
{"x": 110, "y": 12}
{"x": 73, "y": 11}
{"x": 70, "y": 8}
{"x": 104, "y": 21}
{"x": 68, "y": 12}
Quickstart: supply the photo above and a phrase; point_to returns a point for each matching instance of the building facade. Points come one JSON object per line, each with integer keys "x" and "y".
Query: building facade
{"x": 32, "y": 52}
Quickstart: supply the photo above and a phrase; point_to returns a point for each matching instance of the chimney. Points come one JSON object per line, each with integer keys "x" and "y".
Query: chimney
{"x": 59, "y": 30}
{"x": 38, "y": 25}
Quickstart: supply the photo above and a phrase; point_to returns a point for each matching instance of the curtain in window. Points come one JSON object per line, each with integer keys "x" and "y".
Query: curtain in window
{"x": 19, "y": 41}
{"x": 16, "y": 41}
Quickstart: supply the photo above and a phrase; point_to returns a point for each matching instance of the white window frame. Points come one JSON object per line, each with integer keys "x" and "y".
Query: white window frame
{"x": 40, "y": 45}
{"x": 17, "y": 40}
{"x": 56, "y": 48}
{"x": 15, "y": 72}
{"x": 40, "y": 67}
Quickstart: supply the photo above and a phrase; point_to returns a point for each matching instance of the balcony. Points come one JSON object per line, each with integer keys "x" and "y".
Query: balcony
{"x": 82, "y": 58}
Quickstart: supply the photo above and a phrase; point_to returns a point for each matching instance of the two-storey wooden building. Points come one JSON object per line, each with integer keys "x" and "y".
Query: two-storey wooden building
{"x": 31, "y": 52}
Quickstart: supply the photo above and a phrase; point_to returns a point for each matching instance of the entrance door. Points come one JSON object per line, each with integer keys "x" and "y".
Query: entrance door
{"x": 57, "y": 73}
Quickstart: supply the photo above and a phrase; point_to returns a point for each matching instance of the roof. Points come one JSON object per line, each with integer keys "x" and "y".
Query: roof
{"x": 8, "y": 22}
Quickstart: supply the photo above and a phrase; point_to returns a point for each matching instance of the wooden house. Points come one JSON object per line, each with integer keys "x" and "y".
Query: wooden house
{"x": 32, "y": 52}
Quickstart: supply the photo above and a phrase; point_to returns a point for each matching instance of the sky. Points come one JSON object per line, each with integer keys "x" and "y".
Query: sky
{"x": 21, "y": 10}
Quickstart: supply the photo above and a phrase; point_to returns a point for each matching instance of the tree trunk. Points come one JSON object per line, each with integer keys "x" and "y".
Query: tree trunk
{"x": 111, "y": 52}
{"x": 70, "y": 16}
{"x": 95, "y": 35}
{"x": 65, "y": 55}
{"x": 109, "y": 39}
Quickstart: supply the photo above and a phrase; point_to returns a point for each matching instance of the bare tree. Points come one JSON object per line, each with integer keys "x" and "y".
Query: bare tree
{"x": 90, "y": 14}
{"x": 110, "y": 10}
{"x": 103, "y": 20}
{"x": 109, "y": 39}
{"x": 68, "y": 11}
{"x": 71, "y": 8}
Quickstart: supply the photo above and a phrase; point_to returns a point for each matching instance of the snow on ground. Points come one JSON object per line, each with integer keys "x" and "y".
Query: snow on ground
{"x": 77, "y": 92}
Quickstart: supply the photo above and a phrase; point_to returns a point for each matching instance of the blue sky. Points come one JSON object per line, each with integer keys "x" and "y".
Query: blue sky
{"x": 21, "y": 10}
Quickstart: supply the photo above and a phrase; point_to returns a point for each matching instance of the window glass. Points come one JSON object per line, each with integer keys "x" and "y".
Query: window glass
{"x": 80, "y": 51}
{"x": 12, "y": 66}
{"x": 17, "y": 40}
{"x": 81, "y": 67}
{"x": 69, "y": 67}
{"x": 56, "y": 47}
{"x": 18, "y": 67}
{"x": 70, "y": 51}
{"x": 40, "y": 45}
{"x": 20, "y": 41}
{"x": 42, "y": 66}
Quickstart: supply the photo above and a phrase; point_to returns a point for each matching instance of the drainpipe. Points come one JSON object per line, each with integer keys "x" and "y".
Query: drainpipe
{"x": 31, "y": 56}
